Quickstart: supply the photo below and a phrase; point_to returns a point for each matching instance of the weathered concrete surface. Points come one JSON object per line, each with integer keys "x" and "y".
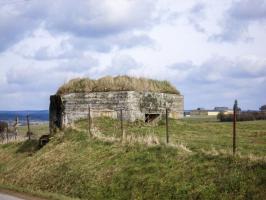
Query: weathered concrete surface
{"x": 134, "y": 105}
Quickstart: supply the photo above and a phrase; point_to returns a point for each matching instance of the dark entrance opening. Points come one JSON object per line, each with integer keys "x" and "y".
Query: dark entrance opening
{"x": 151, "y": 117}
{"x": 56, "y": 110}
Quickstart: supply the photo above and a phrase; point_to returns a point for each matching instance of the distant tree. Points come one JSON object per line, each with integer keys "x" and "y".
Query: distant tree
{"x": 238, "y": 109}
{"x": 263, "y": 108}
{"x": 220, "y": 116}
{"x": 242, "y": 116}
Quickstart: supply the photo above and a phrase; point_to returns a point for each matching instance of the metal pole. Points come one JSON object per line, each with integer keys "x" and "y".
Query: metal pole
{"x": 28, "y": 124}
{"x": 166, "y": 119}
{"x": 234, "y": 127}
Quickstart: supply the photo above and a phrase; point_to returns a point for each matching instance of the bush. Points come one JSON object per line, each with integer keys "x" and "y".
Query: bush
{"x": 242, "y": 116}
{"x": 263, "y": 108}
{"x": 3, "y": 126}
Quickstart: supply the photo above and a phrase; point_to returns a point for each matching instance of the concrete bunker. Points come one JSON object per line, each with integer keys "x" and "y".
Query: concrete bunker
{"x": 136, "y": 103}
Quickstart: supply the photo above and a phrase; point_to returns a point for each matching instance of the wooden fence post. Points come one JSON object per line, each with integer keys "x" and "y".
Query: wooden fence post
{"x": 7, "y": 136}
{"x": 28, "y": 124}
{"x": 89, "y": 117}
{"x": 234, "y": 127}
{"x": 166, "y": 120}
{"x": 122, "y": 126}
{"x": 15, "y": 128}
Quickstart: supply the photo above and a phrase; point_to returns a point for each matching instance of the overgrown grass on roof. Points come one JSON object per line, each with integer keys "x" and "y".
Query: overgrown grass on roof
{"x": 118, "y": 83}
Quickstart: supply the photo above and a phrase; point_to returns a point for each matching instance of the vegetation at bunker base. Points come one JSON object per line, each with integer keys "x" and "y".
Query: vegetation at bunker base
{"x": 118, "y": 83}
{"x": 78, "y": 166}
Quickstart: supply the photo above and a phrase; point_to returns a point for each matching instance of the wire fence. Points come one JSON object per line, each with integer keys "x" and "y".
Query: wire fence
{"x": 153, "y": 129}
{"x": 14, "y": 132}
{"x": 161, "y": 129}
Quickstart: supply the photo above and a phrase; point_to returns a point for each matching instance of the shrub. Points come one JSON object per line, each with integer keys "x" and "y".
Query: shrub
{"x": 3, "y": 126}
{"x": 242, "y": 116}
{"x": 263, "y": 108}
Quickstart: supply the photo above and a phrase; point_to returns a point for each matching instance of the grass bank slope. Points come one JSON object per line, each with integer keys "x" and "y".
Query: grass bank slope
{"x": 77, "y": 166}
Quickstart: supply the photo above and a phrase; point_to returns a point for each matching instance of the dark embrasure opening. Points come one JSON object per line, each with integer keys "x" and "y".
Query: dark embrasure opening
{"x": 151, "y": 117}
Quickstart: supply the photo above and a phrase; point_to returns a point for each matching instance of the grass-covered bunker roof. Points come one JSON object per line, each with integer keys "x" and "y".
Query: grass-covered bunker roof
{"x": 118, "y": 83}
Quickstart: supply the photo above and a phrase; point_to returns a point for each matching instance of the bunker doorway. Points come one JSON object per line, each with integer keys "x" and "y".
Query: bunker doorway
{"x": 56, "y": 110}
{"x": 151, "y": 117}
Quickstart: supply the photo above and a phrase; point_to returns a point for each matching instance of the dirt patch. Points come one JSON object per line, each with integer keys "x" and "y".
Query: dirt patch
{"x": 20, "y": 195}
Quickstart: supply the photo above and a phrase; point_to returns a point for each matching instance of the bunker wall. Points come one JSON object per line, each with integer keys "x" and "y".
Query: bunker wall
{"x": 134, "y": 105}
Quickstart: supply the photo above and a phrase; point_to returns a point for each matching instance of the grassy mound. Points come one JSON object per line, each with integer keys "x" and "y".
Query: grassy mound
{"x": 78, "y": 166}
{"x": 118, "y": 83}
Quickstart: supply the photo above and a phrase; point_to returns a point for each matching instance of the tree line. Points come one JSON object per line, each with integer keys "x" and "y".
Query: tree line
{"x": 244, "y": 115}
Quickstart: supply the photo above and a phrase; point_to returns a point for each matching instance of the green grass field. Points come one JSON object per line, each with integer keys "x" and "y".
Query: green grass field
{"x": 196, "y": 133}
{"x": 198, "y": 164}
{"x": 38, "y": 130}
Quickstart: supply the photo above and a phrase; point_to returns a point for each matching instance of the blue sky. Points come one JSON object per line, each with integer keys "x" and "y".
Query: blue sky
{"x": 212, "y": 51}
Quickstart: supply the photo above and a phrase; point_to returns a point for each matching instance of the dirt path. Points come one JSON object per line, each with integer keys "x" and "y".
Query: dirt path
{"x": 8, "y": 197}
{"x": 11, "y": 195}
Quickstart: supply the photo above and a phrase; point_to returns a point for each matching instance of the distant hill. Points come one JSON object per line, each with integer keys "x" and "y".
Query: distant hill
{"x": 40, "y": 115}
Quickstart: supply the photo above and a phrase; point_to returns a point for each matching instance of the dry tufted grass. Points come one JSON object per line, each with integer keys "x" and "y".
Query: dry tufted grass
{"x": 118, "y": 83}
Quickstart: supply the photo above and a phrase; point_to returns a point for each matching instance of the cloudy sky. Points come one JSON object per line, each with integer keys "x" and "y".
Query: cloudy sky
{"x": 212, "y": 51}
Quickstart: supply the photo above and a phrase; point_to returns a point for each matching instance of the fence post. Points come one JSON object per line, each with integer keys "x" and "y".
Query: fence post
{"x": 7, "y": 136}
{"x": 122, "y": 127}
{"x": 166, "y": 120}
{"x": 28, "y": 124}
{"x": 234, "y": 127}
{"x": 15, "y": 127}
{"x": 89, "y": 116}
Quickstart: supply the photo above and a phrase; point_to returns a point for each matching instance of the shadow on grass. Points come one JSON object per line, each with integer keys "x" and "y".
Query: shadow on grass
{"x": 29, "y": 146}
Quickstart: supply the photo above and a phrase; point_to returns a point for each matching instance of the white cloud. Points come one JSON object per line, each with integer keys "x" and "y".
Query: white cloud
{"x": 239, "y": 17}
{"x": 90, "y": 19}
{"x": 100, "y": 18}
{"x": 46, "y": 43}
{"x": 218, "y": 81}
{"x": 14, "y": 26}
{"x": 196, "y": 15}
